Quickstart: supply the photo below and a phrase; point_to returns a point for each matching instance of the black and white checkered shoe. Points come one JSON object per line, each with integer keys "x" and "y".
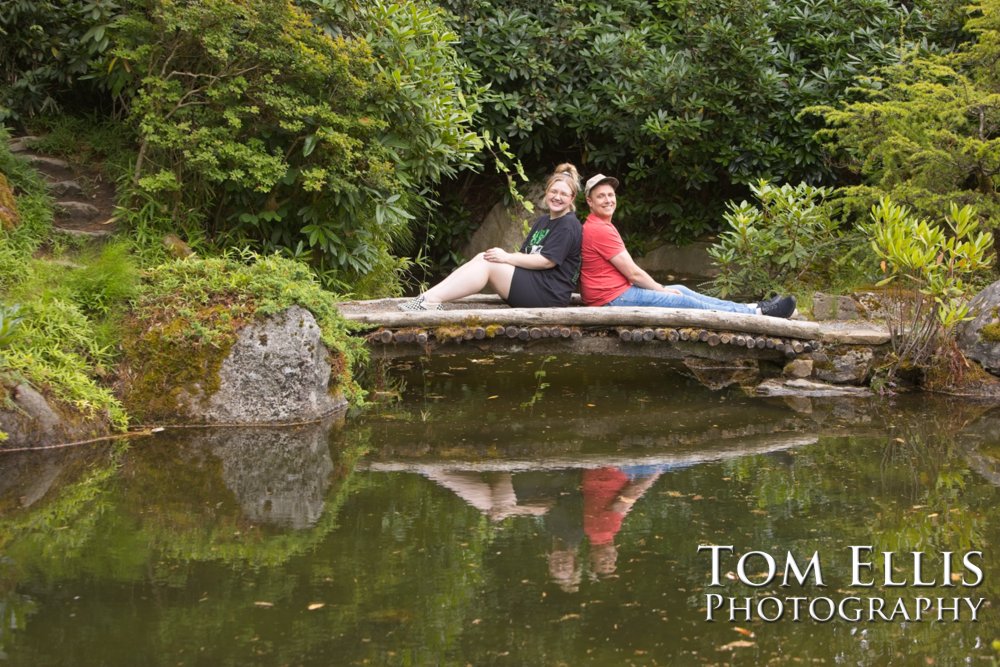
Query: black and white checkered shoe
{"x": 419, "y": 304}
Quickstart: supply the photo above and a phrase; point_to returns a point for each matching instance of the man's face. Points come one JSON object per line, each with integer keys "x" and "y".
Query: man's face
{"x": 602, "y": 201}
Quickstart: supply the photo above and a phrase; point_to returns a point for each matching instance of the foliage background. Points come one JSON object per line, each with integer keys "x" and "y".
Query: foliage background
{"x": 331, "y": 130}
{"x": 686, "y": 102}
{"x": 366, "y": 138}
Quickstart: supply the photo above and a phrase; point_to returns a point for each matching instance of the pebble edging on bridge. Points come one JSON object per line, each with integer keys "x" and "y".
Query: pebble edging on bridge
{"x": 789, "y": 347}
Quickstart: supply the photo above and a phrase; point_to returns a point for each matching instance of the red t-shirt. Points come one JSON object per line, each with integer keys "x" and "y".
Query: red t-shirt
{"x": 600, "y": 490}
{"x": 600, "y": 281}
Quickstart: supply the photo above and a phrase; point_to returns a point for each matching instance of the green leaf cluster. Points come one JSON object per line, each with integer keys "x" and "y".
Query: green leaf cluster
{"x": 928, "y": 265}
{"x": 10, "y": 320}
{"x": 58, "y": 348}
{"x": 786, "y": 241}
{"x": 313, "y": 128}
{"x": 46, "y": 46}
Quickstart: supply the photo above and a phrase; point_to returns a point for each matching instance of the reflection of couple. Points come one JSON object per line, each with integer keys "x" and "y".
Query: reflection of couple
{"x": 608, "y": 495}
{"x": 591, "y": 503}
{"x": 492, "y": 494}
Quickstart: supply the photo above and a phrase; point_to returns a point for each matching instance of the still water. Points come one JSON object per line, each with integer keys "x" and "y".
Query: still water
{"x": 518, "y": 511}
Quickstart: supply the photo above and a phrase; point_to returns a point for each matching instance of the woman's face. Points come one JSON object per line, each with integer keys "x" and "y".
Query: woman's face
{"x": 558, "y": 198}
{"x": 602, "y": 201}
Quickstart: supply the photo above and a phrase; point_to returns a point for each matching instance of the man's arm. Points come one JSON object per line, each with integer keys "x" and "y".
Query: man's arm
{"x": 634, "y": 273}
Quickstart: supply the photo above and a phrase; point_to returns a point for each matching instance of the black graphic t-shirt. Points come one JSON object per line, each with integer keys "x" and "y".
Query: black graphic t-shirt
{"x": 558, "y": 241}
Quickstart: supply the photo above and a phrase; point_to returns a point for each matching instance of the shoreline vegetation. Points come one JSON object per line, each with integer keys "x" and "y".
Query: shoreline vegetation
{"x": 273, "y": 154}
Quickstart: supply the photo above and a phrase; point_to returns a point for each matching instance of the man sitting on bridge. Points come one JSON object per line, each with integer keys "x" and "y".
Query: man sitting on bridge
{"x": 610, "y": 277}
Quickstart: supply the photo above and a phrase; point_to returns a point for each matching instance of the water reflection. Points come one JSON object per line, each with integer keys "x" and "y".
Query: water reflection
{"x": 581, "y": 502}
{"x": 279, "y": 476}
{"x": 588, "y": 502}
{"x": 481, "y": 529}
{"x": 980, "y": 444}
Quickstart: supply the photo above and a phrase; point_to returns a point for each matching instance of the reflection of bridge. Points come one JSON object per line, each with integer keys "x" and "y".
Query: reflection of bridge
{"x": 744, "y": 447}
{"x": 666, "y": 332}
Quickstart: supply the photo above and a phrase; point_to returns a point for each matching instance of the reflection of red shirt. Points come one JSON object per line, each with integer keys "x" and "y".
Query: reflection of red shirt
{"x": 600, "y": 281}
{"x": 600, "y": 489}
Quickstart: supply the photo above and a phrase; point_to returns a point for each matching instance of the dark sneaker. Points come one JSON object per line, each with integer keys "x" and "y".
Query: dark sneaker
{"x": 762, "y": 303}
{"x": 419, "y": 304}
{"x": 783, "y": 306}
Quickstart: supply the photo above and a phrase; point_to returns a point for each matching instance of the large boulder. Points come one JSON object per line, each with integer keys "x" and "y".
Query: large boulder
{"x": 276, "y": 372}
{"x": 979, "y": 339}
{"x": 690, "y": 260}
{"x": 504, "y": 226}
{"x": 30, "y": 419}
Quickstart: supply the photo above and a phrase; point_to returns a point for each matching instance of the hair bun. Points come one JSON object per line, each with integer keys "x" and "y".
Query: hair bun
{"x": 570, "y": 170}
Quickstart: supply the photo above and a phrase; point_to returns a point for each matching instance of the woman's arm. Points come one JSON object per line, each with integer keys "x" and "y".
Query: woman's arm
{"x": 634, "y": 273}
{"x": 535, "y": 262}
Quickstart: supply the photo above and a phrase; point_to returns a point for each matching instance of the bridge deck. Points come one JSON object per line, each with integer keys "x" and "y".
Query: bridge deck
{"x": 486, "y": 319}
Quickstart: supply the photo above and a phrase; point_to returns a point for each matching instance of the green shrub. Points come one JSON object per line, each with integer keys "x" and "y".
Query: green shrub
{"x": 313, "y": 129}
{"x": 56, "y": 348}
{"x": 10, "y": 319}
{"x": 46, "y": 47}
{"x": 784, "y": 243}
{"x": 106, "y": 280}
{"x": 927, "y": 265}
{"x": 925, "y": 131}
{"x": 34, "y": 206}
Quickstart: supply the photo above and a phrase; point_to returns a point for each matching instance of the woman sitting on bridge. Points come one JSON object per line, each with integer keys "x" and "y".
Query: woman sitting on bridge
{"x": 542, "y": 274}
{"x": 610, "y": 277}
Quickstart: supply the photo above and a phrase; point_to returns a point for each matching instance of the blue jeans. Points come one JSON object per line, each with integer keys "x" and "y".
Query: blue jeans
{"x": 688, "y": 298}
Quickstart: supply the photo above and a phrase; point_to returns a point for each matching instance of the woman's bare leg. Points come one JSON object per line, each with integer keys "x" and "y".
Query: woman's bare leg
{"x": 471, "y": 278}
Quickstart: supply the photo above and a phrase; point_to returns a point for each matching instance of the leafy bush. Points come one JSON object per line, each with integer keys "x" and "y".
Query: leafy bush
{"x": 314, "y": 129}
{"x": 927, "y": 266}
{"x": 46, "y": 47}
{"x": 34, "y": 206}
{"x": 10, "y": 319}
{"x": 56, "y": 348}
{"x": 105, "y": 281}
{"x": 785, "y": 241}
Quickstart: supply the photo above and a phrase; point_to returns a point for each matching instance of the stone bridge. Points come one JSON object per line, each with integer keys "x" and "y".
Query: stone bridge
{"x": 831, "y": 352}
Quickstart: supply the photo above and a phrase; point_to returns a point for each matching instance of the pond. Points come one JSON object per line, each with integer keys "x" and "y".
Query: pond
{"x": 518, "y": 510}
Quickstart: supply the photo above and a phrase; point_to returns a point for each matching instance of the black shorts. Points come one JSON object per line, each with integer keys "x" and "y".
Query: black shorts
{"x": 530, "y": 289}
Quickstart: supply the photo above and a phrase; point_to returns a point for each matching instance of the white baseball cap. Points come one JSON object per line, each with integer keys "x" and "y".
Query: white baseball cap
{"x": 594, "y": 181}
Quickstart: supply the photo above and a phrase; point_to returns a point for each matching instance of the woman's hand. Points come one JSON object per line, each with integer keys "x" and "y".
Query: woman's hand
{"x": 534, "y": 262}
{"x": 497, "y": 255}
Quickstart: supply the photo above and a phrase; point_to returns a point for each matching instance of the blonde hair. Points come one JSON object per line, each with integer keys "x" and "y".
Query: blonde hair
{"x": 567, "y": 174}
